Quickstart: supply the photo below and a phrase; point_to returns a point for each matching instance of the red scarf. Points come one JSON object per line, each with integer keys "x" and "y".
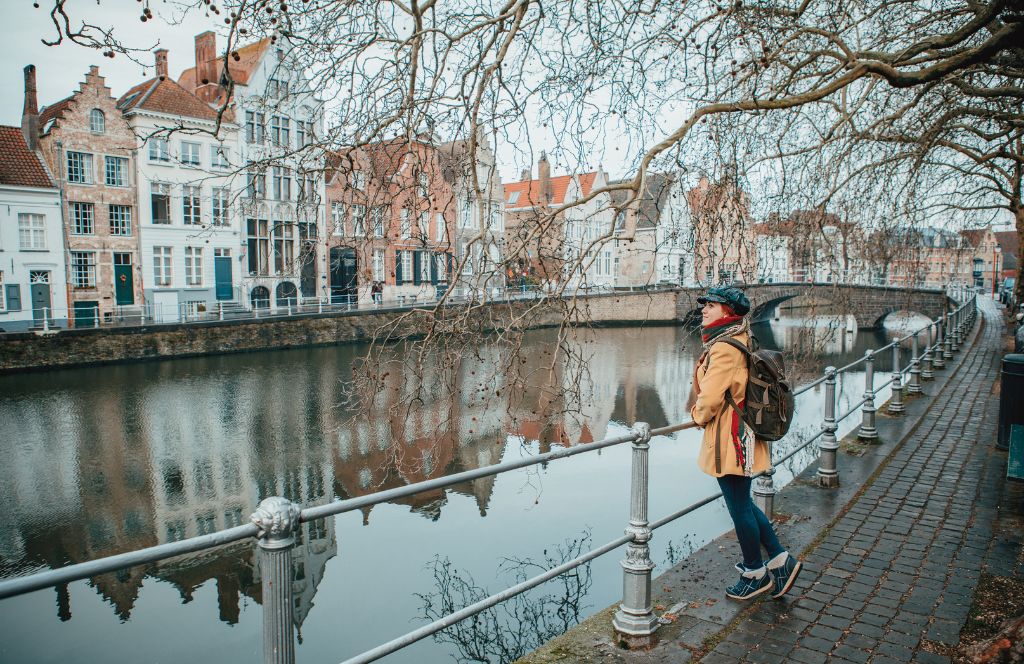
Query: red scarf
{"x": 708, "y": 331}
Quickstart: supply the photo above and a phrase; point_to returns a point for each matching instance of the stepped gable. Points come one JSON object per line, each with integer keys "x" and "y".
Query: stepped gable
{"x": 19, "y": 166}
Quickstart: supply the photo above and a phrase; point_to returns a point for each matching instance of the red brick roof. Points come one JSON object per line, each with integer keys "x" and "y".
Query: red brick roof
{"x": 530, "y": 195}
{"x": 54, "y": 111}
{"x": 241, "y": 71}
{"x": 19, "y": 166}
{"x": 162, "y": 95}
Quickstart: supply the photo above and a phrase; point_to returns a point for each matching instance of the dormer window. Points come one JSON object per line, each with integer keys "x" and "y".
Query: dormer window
{"x": 97, "y": 121}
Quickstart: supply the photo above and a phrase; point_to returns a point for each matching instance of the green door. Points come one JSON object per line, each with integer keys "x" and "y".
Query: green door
{"x": 222, "y": 277}
{"x": 124, "y": 288}
{"x": 86, "y": 313}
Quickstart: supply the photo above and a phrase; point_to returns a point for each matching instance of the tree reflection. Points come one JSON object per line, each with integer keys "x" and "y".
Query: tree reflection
{"x": 520, "y": 625}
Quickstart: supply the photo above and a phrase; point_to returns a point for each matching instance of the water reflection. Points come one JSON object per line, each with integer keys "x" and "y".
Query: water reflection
{"x": 107, "y": 460}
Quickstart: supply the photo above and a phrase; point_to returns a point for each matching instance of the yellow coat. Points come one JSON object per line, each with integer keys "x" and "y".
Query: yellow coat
{"x": 723, "y": 367}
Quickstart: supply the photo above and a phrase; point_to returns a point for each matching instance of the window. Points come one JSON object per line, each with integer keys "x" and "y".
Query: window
{"x": 158, "y": 149}
{"x": 120, "y": 219}
{"x": 219, "y": 156}
{"x": 442, "y": 273}
{"x": 284, "y": 246}
{"x": 160, "y": 202}
{"x": 277, "y": 89}
{"x": 407, "y": 274}
{"x": 425, "y": 259}
{"x": 80, "y": 167}
{"x": 405, "y": 229}
{"x": 495, "y": 218}
{"x": 282, "y": 183}
{"x": 280, "y": 130}
{"x": 219, "y": 206}
{"x": 303, "y": 133}
{"x": 31, "y": 231}
{"x": 82, "y": 218}
{"x": 191, "y": 208}
{"x": 254, "y": 127}
{"x": 193, "y": 266}
{"x": 378, "y": 265}
{"x": 378, "y": 215}
{"x": 307, "y": 187}
{"x": 358, "y": 180}
{"x": 258, "y": 246}
{"x": 467, "y": 212}
{"x": 190, "y": 153}
{"x": 359, "y": 220}
{"x": 440, "y": 230}
{"x": 255, "y": 184}
{"x": 467, "y": 265}
{"x": 424, "y": 185}
{"x": 421, "y": 226}
{"x": 115, "y": 171}
{"x": 162, "y": 266}
{"x": 83, "y": 269}
{"x": 97, "y": 121}
{"x": 338, "y": 218}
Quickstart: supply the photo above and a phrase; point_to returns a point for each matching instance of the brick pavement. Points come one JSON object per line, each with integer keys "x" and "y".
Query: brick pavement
{"x": 892, "y": 580}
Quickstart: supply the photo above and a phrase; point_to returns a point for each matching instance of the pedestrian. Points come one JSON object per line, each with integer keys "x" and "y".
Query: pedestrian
{"x": 729, "y": 451}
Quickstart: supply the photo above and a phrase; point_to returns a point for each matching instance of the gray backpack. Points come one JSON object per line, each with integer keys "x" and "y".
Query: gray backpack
{"x": 769, "y": 403}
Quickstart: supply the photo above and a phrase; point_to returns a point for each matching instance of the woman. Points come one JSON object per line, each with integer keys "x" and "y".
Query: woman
{"x": 729, "y": 451}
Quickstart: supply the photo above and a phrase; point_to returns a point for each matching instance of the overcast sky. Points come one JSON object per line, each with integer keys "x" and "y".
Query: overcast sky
{"x": 61, "y": 68}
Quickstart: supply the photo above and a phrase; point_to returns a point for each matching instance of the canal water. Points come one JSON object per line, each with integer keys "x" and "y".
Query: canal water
{"x": 100, "y": 461}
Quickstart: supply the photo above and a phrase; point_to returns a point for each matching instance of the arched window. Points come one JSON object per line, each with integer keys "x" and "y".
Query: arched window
{"x": 286, "y": 294}
{"x": 97, "y": 121}
{"x": 260, "y": 297}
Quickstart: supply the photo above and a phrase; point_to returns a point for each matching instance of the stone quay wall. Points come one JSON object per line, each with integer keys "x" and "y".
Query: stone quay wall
{"x": 83, "y": 347}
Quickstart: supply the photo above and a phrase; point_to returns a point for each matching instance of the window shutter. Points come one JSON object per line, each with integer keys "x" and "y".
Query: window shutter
{"x": 433, "y": 267}
{"x": 13, "y": 297}
{"x": 398, "y": 267}
{"x": 416, "y": 255}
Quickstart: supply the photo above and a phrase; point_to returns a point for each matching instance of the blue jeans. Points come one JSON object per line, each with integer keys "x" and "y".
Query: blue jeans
{"x": 753, "y": 529}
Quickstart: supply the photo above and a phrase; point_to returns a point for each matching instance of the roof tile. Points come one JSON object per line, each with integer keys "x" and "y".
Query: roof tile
{"x": 19, "y": 166}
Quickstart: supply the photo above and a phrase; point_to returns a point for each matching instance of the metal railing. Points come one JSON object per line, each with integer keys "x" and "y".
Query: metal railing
{"x": 276, "y": 519}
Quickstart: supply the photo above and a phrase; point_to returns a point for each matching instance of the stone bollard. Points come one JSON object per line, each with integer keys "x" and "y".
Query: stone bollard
{"x": 868, "y": 430}
{"x": 896, "y": 401}
{"x": 634, "y": 622}
{"x": 938, "y": 361}
{"x": 914, "y": 384}
{"x": 926, "y": 356}
{"x": 278, "y": 519}
{"x": 828, "y": 473}
{"x": 764, "y": 490}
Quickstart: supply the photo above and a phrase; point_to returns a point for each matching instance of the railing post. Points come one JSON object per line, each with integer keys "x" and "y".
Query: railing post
{"x": 868, "y": 430}
{"x": 289, "y": 307}
{"x": 947, "y": 339}
{"x": 320, "y": 306}
{"x": 220, "y": 311}
{"x": 278, "y": 519}
{"x": 764, "y": 490}
{"x": 938, "y": 361}
{"x": 46, "y": 319}
{"x": 828, "y": 473}
{"x": 635, "y": 622}
{"x": 896, "y": 401}
{"x": 914, "y": 386}
{"x": 926, "y": 356}
{"x": 955, "y": 342}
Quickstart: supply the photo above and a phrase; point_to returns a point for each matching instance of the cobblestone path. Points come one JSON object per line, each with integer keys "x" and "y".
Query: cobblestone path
{"x": 893, "y": 579}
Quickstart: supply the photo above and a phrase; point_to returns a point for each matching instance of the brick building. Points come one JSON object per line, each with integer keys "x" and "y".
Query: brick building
{"x": 725, "y": 241}
{"x": 90, "y": 149}
{"x": 392, "y": 223}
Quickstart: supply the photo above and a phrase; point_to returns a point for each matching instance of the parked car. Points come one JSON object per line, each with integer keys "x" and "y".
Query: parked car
{"x": 1018, "y": 338}
{"x": 1006, "y": 291}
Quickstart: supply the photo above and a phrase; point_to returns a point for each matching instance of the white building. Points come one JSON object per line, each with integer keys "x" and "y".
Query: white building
{"x": 32, "y": 262}
{"x": 188, "y": 192}
{"x": 591, "y": 254}
{"x": 772, "y": 255}
{"x": 282, "y": 208}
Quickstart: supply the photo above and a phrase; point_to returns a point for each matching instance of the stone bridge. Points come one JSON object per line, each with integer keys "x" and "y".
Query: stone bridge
{"x": 868, "y": 304}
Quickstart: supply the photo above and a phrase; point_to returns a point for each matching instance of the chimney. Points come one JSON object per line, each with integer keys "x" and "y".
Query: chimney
{"x": 206, "y": 59}
{"x": 525, "y": 175}
{"x": 30, "y": 112}
{"x": 544, "y": 174}
{"x": 161, "y": 62}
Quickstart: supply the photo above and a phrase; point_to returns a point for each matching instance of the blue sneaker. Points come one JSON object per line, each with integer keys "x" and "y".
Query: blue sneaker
{"x": 751, "y": 584}
{"x": 784, "y": 569}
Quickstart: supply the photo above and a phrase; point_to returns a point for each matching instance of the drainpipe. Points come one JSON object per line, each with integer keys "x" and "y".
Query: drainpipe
{"x": 61, "y": 183}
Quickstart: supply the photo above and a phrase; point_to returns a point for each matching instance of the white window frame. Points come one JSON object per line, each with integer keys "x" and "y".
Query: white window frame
{"x": 193, "y": 266}
{"x": 426, "y": 258}
{"x": 83, "y": 269}
{"x": 159, "y": 151}
{"x": 358, "y": 180}
{"x": 377, "y": 216}
{"x": 407, "y": 274}
{"x": 359, "y": 221}
{"x": 378, "y": 265}
{"x": 423, "y": 225}
{"x": 123, "y": 216}
{"x": 99, "y": 127}
{"x": 80, "y": 167}
{"x": 120, "y": 169}
{"x": 82, "y": 224}
{"x": 220, "y": 206}
{"x": 219, "y": 156}
{"x": 404, "y": 227}
{"x": 191, "y": 205}
{"x": 190, "y": 153}
{"x": 338, "y": 217}
{"x": 31, "y": 231}
{"x": 160, "y": 189}
{"x": 440, "y": 227}
{"x": 163, "y": 266}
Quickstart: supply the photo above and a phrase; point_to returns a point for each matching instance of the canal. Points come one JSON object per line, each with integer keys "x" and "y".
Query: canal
{"x": 104, "y": 460}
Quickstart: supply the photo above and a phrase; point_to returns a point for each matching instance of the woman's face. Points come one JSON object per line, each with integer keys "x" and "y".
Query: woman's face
{"x": 711, "y": 312}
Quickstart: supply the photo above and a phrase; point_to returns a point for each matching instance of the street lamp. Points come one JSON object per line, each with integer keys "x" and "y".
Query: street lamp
{"x": 996, "y": 249}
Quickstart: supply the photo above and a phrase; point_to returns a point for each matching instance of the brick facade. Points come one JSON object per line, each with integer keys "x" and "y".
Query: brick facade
{"x": 67, "y": 127}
